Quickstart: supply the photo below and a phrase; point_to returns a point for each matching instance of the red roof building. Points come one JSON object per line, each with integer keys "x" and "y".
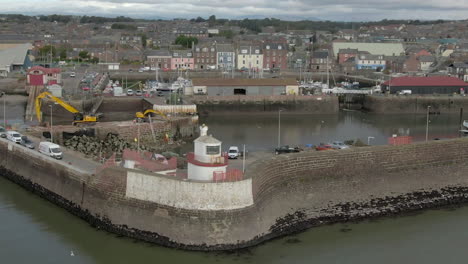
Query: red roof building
{"x": 426, "y": 85}
{"x": 40, "y": 76}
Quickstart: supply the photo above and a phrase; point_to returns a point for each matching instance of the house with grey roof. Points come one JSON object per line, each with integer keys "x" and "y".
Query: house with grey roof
{"x": 225, "y": 57}
{"x": 426, "y": 62}
{"x": 14, "y": 58}
{"x": 320, "y": 61}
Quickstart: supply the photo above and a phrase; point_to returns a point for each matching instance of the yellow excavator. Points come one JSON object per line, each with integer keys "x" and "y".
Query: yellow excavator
{"x": 78, "y": 117}
{"x": 141, "y": 116}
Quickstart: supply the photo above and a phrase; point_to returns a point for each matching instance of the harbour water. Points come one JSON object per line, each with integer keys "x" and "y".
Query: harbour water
{"x": 36, "y": 231}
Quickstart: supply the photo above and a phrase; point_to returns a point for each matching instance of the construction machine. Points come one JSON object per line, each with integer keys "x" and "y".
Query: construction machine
{"x": 78, "y": 117}
{"x": 141, "y": 116}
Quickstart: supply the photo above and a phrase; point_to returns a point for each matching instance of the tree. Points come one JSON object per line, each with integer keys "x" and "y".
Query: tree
{"x": 200, "y": 19}
{"x": 212, "y": 20}
{"x": 83, "y": 54}
{"x": 143, "y": 40}
{"x": 63, "y": 53}
{"x": 186, "y": 41}
{"x": 227, "y": 33}
{"x": 47, "y": 51}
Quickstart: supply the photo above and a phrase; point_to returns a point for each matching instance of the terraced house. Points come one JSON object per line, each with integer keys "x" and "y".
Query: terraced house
{"x": 205, "y": 56}
{"x": 275, "y": 56}
{"x": 250, "y": 58}
{"x": 225, "y": 57}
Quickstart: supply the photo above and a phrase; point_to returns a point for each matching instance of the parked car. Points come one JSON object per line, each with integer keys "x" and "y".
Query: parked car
{"x": 287, "y": 149}
{"x": 339, "y": 145}
{"x": 72, "y": 74}
{"x": 3, "y": 132}
{"x": 50, "y": 149}
{"x": 130, "y": 70}
{"x": 14, "y": 136}
{"x": 129, "y": 92}
{"x": 138, "y": 93}
{"x": 25, "y": 141}
{"x": 141, "y": 70}
{"x": 233, "y": 152}
{"x": 323, "y": 146}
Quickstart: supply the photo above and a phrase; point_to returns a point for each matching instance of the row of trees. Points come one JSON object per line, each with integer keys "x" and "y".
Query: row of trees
{"x": 100, "y": 20}
{"x": 50, "y": 52}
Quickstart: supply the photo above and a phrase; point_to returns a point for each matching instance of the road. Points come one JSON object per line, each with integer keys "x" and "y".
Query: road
{"x": 70, "y": 157}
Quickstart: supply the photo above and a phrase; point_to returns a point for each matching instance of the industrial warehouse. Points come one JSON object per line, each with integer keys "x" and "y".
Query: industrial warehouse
{"x": 425, "y": 85}
{"x": 223, "y": 87}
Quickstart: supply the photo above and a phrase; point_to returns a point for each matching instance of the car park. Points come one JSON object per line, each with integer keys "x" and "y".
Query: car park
{"x": 25, "y": 141}
{"x": 129, "y": 92}
{"x": 14, "y": 136}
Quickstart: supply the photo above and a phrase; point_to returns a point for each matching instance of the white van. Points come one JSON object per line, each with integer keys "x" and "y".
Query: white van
{"x": 233, "y": 152}
{"x": 14, "y": 136}
{"x": 50, "y": 149}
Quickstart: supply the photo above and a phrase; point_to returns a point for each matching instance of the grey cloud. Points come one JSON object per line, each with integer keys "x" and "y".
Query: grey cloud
{"x": 325, "y": 9}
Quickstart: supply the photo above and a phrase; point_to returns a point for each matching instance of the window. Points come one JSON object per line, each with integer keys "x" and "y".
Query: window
{"x": 228, "y": 58}
{"x": 243, "y": 62}
{"x": 257, "y": 62}
{"x": 212, "y": 150}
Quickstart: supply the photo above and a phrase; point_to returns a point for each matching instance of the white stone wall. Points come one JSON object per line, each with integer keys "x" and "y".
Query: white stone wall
{"x": 201, "y": 173}
{"x": 188, "y": 194}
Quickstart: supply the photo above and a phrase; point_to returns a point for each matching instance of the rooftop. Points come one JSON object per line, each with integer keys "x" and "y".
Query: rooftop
{"x": 243, "y": 82}
{"x": 426, "y": 81}
{"x": 387, "y": 49}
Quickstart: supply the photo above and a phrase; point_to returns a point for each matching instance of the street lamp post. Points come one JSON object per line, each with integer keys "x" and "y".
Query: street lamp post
{"x": 279, "y": 127}
{"x": 4, "y": 109}
{"x": 51, "y": 124}
{"x": 427, "y": 122}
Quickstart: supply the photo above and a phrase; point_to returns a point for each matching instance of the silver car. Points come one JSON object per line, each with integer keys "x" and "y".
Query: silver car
{"x": 339, "y": 145}
{"x": 25, "y": 141}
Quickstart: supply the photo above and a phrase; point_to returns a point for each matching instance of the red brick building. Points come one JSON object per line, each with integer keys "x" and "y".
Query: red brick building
{"x": 275, "y": 56}
{"x": 40, "y": 76}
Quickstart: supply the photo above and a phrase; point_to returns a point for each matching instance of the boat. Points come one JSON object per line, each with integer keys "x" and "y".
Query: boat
{"x": 465, "y": 124}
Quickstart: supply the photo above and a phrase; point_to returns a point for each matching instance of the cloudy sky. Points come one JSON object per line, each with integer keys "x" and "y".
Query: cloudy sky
{"x": 341, "y": 10}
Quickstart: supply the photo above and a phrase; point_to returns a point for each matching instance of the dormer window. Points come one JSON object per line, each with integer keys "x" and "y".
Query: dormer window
{"x": 279, "y": 47}
{"x": 268, "y": 47}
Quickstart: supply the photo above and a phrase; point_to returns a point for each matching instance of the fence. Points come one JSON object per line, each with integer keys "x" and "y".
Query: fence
{"x": 402, "y": 140}
{"x": 230, "y": 175}
{"x": 176, "y": 109}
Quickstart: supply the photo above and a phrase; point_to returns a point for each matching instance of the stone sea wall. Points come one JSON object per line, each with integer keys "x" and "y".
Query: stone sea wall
{"x": 414, "y": 104}
{"x": 289, "y": 193}
{"x": 216, "y": 105}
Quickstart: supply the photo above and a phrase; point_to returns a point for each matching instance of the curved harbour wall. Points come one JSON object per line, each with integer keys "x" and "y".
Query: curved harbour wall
{"x": 285, "y": 194}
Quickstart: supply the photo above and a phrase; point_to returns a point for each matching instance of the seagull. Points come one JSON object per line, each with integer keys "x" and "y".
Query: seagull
{"x": 72, "y": 254}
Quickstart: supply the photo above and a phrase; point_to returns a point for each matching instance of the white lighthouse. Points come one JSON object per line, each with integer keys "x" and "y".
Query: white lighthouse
{"x": 207, "y": 162}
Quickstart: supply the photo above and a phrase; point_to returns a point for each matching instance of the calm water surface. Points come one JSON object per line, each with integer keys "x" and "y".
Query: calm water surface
{"x": 36, "y": 231}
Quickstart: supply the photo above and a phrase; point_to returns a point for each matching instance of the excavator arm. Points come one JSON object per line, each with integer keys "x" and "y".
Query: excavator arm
{"x": 69, "y": 108}
{"x": 140, "y": 115}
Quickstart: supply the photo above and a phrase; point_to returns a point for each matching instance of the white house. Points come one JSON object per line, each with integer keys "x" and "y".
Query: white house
{"x": 249, "y": 57}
